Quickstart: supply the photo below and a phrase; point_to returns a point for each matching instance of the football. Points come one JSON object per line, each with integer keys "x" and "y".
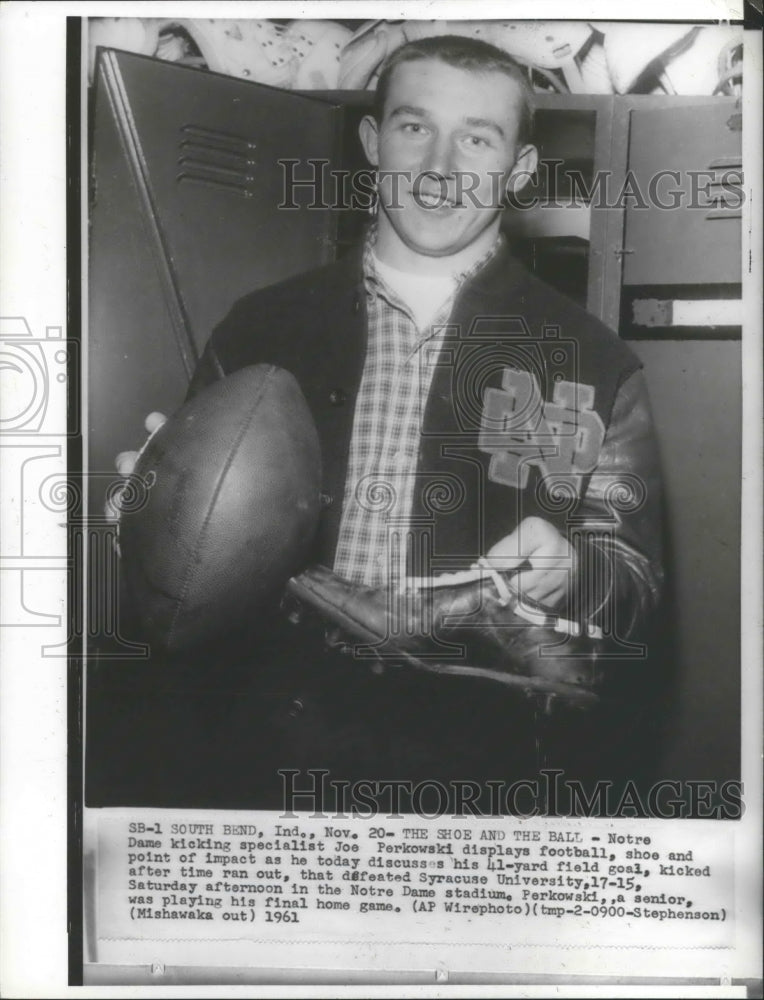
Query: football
{"x": 230, "y": 505}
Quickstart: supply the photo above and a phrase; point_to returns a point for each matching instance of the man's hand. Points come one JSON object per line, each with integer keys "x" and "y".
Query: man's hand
{"x": 125, "y": 462}
{"x": 551, "y": 557}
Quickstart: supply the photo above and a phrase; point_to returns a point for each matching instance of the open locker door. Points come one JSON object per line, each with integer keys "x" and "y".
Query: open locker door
{"x": 185, "y": 219}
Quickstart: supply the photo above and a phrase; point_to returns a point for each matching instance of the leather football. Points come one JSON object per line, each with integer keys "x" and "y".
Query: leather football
{"x": 232, "y": 485}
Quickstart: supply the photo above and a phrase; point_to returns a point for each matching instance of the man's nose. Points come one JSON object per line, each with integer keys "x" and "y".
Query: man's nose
{"x": 439, "y": 157}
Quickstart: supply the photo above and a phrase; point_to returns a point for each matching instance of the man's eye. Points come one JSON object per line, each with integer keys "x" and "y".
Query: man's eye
{"x": 477, "y": 141}
{"x": 413, "y": 128}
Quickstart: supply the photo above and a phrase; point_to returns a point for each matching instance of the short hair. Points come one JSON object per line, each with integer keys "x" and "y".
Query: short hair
{"x": 462, "y": 52}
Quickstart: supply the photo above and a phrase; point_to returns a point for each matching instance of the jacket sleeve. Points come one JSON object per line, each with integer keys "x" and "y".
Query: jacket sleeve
{"x": 621, "y": 520}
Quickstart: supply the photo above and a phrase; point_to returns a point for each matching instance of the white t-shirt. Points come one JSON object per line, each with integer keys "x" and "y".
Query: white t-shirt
{"x": 424, "y": 294}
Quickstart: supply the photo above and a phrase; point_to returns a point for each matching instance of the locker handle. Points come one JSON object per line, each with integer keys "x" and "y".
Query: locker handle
{"x": 720, "y": 212}
{"x": 723, "y": 213}
{"x": 726, "y": 163}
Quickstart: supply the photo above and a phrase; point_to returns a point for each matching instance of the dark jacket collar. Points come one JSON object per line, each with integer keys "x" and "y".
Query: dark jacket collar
{"x": 499, "y": 278}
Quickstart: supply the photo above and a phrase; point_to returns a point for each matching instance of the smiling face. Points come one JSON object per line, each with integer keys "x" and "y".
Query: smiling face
{"x": 446, "y": 150}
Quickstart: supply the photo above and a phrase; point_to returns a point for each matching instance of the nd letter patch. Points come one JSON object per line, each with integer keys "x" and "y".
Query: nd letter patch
{"x": 520, "y": 429}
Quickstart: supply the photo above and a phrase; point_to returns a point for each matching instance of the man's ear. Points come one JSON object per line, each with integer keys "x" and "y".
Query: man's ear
{"x": 524, "y": 168}
{"x": 368, "y": 131}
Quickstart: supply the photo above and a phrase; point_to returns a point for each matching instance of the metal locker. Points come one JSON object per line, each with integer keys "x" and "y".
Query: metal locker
{"x": 699, "y": 243}
{"x": 185, "y": 219}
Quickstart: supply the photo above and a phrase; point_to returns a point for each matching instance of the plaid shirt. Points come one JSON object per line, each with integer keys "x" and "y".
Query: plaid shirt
{"x": 384, "y": 448}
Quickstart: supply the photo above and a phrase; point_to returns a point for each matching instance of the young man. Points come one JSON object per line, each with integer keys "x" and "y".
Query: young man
{"x": 449, "y": 138}
{"x": 465, "y": 410}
